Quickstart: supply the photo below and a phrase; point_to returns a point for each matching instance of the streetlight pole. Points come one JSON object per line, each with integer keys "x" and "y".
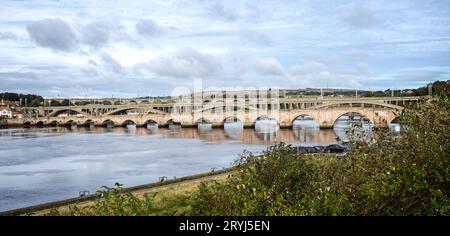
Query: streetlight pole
{"x": 26, "y": 106}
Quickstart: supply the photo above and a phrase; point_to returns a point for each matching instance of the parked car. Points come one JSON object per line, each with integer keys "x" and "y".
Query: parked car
{"x": 336, "y": 148}
{"x": 320, "y": 149}
{"x": 303, "y": 149}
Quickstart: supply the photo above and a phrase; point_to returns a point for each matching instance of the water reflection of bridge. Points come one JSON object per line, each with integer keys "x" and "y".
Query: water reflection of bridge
{"x": 245, "y": 136}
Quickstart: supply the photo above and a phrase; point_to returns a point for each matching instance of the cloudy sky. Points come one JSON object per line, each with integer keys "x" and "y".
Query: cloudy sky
{"x": 130, "y": 48}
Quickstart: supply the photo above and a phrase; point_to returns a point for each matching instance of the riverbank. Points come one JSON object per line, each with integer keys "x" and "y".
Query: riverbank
{"x": 3, "y": 124}
{"x": 182, "y": 185}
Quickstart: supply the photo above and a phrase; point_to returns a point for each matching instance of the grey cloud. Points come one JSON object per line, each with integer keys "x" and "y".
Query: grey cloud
{"x": 17, "y": 75}
{"x": 217, "y": 10}
{"x": 245, "y": 63}
{"x": 251, "y": 12}
{"x": 52, "y": 33}
{"x": 8, "y": 35}
{"x": 27, "y": 82}
{"x": 148, "y": 28}
{"x": 256, "y": 37}
{"x": 92, "y": 62}
{"x": 105, "y": 66}
{"x": 268, "y": 66}
{"x": 362, "y": 69}
{"x": 95, "y": 34}
{"x": 419, "y": 75}
{"x": 186, "y": 63}
{"x": 111, "y": 64}
{"x": 89, "y": 71}
{"x": 190, "y": 63}
{"x": 415, "y": 42}
{"x": 70, "y": 81}
{"x": 358, "y": 54}
{"x": 361, "y": 18}
{"x": 311, "y": 74}
{"x": 308, "y": 68}
{"x": 209, "y": 34}
{"x": 254, "y": 12}
{"x": 39, "y": 68}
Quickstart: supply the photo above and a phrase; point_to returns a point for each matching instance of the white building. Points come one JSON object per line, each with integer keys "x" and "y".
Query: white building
{"x": 5, "y": 112}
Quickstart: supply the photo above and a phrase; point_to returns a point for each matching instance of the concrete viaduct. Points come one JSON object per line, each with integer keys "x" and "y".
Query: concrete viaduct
{"x": 380, "y": 112}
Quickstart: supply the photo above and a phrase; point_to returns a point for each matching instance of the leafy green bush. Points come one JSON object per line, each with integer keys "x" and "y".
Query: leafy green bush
{"x": 117, "y": 202}
{"x": 113, "y": 202}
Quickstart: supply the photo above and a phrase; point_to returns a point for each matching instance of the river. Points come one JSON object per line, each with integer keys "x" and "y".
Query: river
{"x": 39, "y": 165}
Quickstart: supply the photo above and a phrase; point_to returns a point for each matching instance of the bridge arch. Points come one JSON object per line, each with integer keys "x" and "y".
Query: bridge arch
{"x": 202, "y": 121}
{"x": 172, "y": 122}
{"x": 150, "y": 122}
{"x": 233, "y": 127}
{"x": 146, "y": 109}
{"x": 395, "y": 123}
{"x": 361, "y": 103}
{"x": 363, "y": 120}
{"x": 219, "y": 108}
{"x": 120, "y": 110}
{"x": 231, "y": 119}
{"x": 396, "y": 119}
{"x": 306, "y": 119}
{"x": 27, "y": 123}
{"x": 269, "y": 120}
{"x": 70, "y": 123}
{"x": 53, "y": 123}
{"x": 108, "y": 123}
{"x": 128, "y": 122}
{"x": 107, "y": 103}
{"x": 265, "y": 117}
{"x": 40, "y": 123}
{"x": 393, "y": 116}
{"x": 362, "y": 116}
{"x": 70, "y": 111}
{"x": 88, "y": 123}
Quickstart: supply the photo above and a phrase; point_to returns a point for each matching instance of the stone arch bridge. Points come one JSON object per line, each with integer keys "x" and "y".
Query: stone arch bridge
{"x": 380, "y": 112}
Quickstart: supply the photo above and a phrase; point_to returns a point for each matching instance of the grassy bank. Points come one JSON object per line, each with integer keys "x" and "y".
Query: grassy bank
{"x": 3, "y": 122}
{"x": 405, "y": 174}
{"x": 165, "y": 200}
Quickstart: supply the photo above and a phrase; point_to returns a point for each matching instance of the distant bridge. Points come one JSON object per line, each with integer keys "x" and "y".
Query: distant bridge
{"x": 381, "y": 111}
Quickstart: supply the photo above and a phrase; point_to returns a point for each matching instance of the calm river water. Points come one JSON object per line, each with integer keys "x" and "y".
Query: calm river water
{"x": 40, "y": 165}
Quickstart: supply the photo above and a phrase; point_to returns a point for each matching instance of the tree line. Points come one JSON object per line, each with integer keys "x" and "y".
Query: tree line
{"x": 31, "y": 100}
